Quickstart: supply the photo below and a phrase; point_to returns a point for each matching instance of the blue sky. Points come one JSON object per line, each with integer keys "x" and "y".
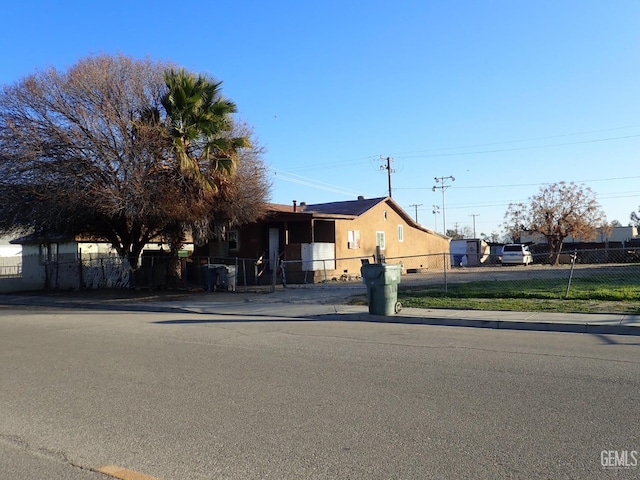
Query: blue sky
{"x": 504, "y": 95}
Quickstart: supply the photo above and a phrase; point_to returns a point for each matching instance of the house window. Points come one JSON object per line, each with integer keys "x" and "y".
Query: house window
{"x": 401, "y": 233}
{"x": 232, "y": 239}
{"x": 380, "y": 240}
{"x": 48, "y": 253}
{"x": 384, "y": 215}
{"x": 353, "y": 239}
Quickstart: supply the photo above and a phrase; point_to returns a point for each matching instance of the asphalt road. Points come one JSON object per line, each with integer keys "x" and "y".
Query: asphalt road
{"x": 187, "y": 396}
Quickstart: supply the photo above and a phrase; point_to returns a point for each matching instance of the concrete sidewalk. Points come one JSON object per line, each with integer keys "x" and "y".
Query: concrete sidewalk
{"x": 304, "y": 304}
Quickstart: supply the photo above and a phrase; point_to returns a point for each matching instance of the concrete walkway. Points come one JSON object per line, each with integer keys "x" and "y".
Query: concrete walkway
{"x": 314, "y": 303}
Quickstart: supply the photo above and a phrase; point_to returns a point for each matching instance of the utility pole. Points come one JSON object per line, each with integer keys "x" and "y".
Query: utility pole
{"x": 416, "y": 206}
{"x": 474, "y": 215}
{"x": 388, "y": 169}
{"x": 443, "y": 187}
{"x": 436, "y": 210}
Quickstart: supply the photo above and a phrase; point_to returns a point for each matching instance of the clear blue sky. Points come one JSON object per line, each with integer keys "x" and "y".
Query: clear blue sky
{"x": 504, "y": 95}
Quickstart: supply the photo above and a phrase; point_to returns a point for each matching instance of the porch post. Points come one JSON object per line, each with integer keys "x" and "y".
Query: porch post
{"x": 286, "y": 232}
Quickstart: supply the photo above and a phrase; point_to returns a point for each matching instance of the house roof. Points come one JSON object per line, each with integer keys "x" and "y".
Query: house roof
{"x": 350, "y": 208}
{"x": 35, "y": 238}
{"x": 347, "y": 209}
{"x": 279, "y": 207}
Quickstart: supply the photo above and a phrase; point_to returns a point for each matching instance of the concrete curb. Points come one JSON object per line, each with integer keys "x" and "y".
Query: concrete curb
{"x": 612, "y": 325}
{"x": 563, "y": 327}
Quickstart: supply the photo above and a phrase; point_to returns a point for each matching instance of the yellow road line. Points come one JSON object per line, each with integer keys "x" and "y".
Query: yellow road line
{"x": 123, "y": 473}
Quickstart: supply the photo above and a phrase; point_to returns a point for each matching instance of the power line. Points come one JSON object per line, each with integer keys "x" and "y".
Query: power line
{"x": 522, "y": 140}
{"x": 310, "y": 182}
{"x": 517, "y": 149}
{"x": 513, "y": 185}
{"x": 425, "y": 153}
{"x": 476, "y": 205}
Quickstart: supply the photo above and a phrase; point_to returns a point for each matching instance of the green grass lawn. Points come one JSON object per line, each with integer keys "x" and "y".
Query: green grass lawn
{"x": 606, "y": 293}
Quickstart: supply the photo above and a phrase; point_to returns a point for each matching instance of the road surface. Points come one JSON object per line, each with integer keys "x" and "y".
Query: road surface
{"x": 187, "y": 396}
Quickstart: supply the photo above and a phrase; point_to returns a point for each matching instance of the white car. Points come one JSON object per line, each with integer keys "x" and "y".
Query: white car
{"x": 516, "y": 254}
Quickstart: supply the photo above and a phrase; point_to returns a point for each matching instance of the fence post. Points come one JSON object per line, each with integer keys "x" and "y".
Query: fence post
{"x": 573, "y": 262}
{"x": 274, "y": 271}
{"x": 235, "y": 276}
{"x": 244, "y": 273}
{"x": 444, "y": 264}
{"x": 324, "y": 266}
{"x": 80, "y": 281}
{"x": 283, "y": 266}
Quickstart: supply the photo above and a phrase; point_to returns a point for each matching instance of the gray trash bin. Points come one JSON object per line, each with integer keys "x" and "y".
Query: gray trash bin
{"x": 227, "y": 277}
{"x": 231, "y": 278}
{"x": 382, "y": 287}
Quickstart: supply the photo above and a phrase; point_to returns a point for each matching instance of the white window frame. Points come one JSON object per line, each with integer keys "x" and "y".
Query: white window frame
{"x": 380, "y": 239}
{"x": 400, "y": 233}
{"x": 353, "y": 239}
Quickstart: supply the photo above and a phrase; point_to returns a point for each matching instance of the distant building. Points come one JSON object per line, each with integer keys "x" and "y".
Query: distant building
{"x": 616, "y": 234}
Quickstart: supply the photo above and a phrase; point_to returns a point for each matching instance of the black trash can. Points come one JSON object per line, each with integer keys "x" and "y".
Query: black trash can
{"x": 211, "y": 271}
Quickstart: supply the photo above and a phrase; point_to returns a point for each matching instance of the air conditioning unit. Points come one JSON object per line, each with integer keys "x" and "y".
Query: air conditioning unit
{"x": 353, "y": 245}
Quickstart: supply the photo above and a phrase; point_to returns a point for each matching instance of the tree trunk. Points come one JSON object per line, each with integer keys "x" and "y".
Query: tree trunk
{"x": 555, "y": 246}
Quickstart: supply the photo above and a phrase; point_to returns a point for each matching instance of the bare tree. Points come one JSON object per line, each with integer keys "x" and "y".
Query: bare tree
{"x": 635, "y": 218}
{"x": 467, "y": 232}
{"x": 493, "y": 237}
{"x": 615, "y": 224}
{"x": 558, "y": 211}
{"x": 91, "y": 151}
{"x": 454, "y": 234}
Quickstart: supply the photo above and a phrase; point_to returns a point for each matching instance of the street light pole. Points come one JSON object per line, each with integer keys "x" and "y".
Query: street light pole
{"x": 443, "y": 187}
{"x": 435, "y": 211}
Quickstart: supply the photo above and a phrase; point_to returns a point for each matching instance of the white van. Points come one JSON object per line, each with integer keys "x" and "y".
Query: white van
{"x": 516, "y": 254}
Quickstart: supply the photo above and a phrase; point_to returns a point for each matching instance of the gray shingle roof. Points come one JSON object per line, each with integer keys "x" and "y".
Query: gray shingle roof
{"x": 349, "y": 207}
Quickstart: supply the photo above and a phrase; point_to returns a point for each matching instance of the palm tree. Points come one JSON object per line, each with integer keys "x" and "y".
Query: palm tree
{"x": 200, "y": 126}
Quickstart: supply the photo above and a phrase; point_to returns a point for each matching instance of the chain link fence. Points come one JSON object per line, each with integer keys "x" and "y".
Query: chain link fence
{"x": 573, "y": 271}
{"x": 593, "y": 274}
{"x": 598, "y": 274}
{"x": 164, "y": 271}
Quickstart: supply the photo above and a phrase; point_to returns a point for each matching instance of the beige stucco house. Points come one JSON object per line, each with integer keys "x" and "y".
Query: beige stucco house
{"x": 331, "y": 240}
